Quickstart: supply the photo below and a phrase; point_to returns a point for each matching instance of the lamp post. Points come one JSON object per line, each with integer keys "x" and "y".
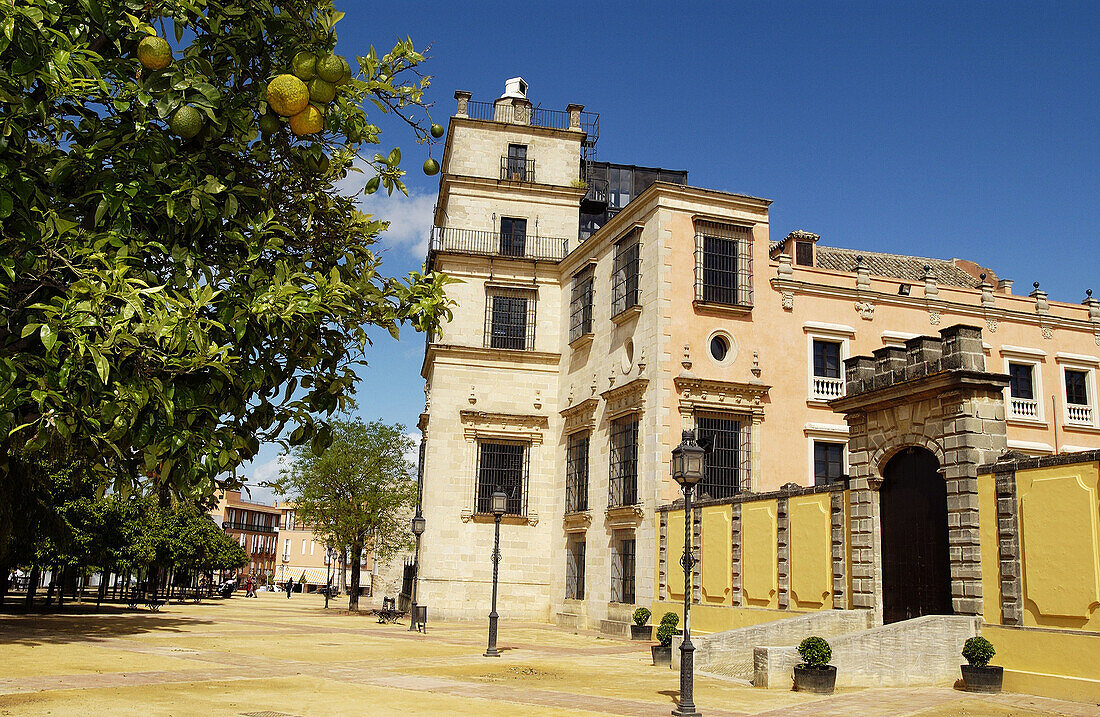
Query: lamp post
{"x": 687, "y": 470}
{"x": 328, "y": 573}
{"x": 418, "y": 530}
{"x": 498, "y": 504}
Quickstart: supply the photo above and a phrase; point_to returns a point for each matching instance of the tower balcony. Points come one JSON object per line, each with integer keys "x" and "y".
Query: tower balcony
{"x": 512, "y": 244}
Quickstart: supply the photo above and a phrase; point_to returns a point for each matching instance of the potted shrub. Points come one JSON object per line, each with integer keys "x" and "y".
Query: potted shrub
{"x": 662, "y": 653}
{"x": 978, "y": 676}
{"x": 673, "y": 619}
{"x": 815, "y": 674}
{"x": 639, "y": 630}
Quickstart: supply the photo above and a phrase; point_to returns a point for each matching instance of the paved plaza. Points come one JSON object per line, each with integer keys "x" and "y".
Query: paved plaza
{"x": 273, "y": 657}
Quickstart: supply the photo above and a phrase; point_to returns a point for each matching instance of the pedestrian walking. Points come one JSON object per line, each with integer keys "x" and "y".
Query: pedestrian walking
{"x": 250, "y": 586}
{"x": 289, "y": 587}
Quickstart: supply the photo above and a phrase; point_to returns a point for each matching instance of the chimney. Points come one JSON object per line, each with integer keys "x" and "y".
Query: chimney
{"x": 515, "y": 88}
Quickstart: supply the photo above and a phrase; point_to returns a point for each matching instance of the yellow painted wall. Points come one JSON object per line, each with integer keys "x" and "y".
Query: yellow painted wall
{"x": 1053, "y": 663}
{"x": 1059, "y": 513}
{"x": 715, "y": 618}
{"x": 717, "y": 554}
{"x": 991, "y": 563}
{"x": 759, "y": 571}
{"x": 811, "y": 563}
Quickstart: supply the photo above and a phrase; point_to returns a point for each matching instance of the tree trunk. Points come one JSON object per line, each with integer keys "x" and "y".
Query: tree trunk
{"x": 62, "y": 573}
{"x": 104, "y": 576}
{"x": 353, "y": 591}
{"x": 32, "y": 585}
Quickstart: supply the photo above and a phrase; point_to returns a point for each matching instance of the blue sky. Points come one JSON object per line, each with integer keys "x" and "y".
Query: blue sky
{"x": 937, "y": 129}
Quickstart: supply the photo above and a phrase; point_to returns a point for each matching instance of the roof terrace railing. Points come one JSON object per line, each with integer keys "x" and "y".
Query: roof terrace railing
{"x": 534, "y": 116}
{"x": 499, "y": 243}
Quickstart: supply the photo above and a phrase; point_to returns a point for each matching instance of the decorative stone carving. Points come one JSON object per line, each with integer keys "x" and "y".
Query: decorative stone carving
{"x": 866, "y": 310}
{"x": 686, "y": 362}
{"x": 483, "y": 424}
{"x": 577, "y": 522}
{"x": 991, "y": 324}
{"x": 628, "y": 398}
{"x": 698, "y": 393}
{"x": 787, "y": 300}
{"x": 538, "y": 399}
{"x": 755, "y": 364}
{"x": 581, "y": 417}
{"x": 934, "y": 317}
{"x": 472, "y": 398}
{"x": 624, "y": 516}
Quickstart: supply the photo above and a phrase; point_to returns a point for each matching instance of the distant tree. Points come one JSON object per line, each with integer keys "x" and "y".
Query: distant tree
{"x": 358, "y": 493}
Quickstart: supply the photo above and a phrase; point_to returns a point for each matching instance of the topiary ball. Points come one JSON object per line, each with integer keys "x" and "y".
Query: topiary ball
{"x": 978, "y": 651}
{"x": 670, "y": 618}
{"x": 815, "y": 652}
{"x": 665, "y": 633}
{"x": 641, "y": 616}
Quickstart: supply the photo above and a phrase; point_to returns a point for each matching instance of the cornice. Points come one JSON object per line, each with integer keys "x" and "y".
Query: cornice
{"x": 701, "y": 393}
{"x": 542, "y": 360}
{"x": 624, "y": 516}
{"x": 577, "y": 522}
{"x": 486, "y": 424}
{"x": 581, "y": 416}
{"x": 628, "y": 398}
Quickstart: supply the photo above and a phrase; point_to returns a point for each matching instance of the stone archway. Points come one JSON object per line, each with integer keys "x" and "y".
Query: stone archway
{"x": 935, "y": 397}
{"x": 916, "y": 568}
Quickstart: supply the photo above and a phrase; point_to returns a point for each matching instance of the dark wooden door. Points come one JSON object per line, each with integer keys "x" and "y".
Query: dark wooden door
{"x": 916, "y": 570}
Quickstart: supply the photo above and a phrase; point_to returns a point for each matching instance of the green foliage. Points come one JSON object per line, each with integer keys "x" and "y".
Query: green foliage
{"x": 665, "y": 631}
{"x": 815, "y": 652}
{"x": 978, "y": 651}
{"x": 670, "y": 618}
{"x": 641, "y": 616}
{"x": 169, "y": 305}
{"x": 358, "y": 494}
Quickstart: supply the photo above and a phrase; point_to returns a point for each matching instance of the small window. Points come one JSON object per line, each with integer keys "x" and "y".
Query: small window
{"x": 719, "y": 347}
{"x": 576, "y": 474}
{"x": 510, "y": 319}
{"x": 574, "y": 569}
{"x": 804, "y": 253}
{"x": 826, "y": 359}
{"x": 624, "y": 276}
{"x": 723, "y": 264}
{"x": 1076, "y": 387}
{"x": 503, "y": 467}
{"x": 1020, "y": 385}
{"x": 513, "y": 236}
{"x": 828, "y": 462}
{"x": 516, "y": 166}
{"x": 623, "y": 483}
{"x": 622, "y": 567}
{"x": 727, "y": 458}
{"x": 621, "y": 181}
{"x": 580, "y": 304}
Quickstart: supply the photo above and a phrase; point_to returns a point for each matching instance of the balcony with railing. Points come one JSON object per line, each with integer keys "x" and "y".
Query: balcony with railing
{"x": 1078, "y": 414}
{"x": 516, "y": 169}
{"x": 1025, "y": 408}
{"x": 249, "y": 527}
{"x": 826, "y": 389}
{"x": 589, "y": 122}
{"x": 498, "y": 243}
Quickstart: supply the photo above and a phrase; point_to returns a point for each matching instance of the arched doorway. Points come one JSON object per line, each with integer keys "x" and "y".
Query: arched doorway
{"x": 916, "y": 569}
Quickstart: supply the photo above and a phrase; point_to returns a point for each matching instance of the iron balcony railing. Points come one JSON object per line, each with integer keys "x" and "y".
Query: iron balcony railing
{"x": 514, "y": 243}
{"x": 517, "y": 170}
{"x": 534, "y": 116}
{"x": 250, "y": 527}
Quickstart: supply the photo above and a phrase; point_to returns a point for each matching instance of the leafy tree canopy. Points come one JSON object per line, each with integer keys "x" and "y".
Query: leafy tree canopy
{"x": 359, "y": 493}
{"x": 168, "y": 304}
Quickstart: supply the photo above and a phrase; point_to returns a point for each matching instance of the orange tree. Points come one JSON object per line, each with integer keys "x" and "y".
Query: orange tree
{"x": 176, "y": 285}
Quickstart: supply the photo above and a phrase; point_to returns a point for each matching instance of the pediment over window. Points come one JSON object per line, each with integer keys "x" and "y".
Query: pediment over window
{"x": 581, "y": 417}
{"x": 709, "y": 394}
{"x": 628, "y": 398}
{"x": 477, "y": 425}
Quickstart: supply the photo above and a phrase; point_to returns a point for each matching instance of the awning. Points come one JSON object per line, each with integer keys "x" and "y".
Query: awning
{"x": 311, "y": 576}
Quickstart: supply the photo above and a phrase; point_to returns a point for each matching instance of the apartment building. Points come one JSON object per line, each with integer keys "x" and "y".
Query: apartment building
{"x": 254, "y": 525}
{"x": 605, "y": 308}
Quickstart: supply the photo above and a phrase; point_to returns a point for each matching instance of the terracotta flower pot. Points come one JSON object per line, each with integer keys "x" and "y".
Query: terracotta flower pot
{"x": 641, "y": 632}
{"x": 662, "y": 656}
{"x": 982, "y": 679}
{"x": 820, "y": 680}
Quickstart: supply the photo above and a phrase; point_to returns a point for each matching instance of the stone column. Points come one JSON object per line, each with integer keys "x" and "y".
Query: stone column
{"x": 783, "y": 552}
{"x": 861, "y": 520}
{"x": 1008, "y": 545}
{"x": 735, "y": 554}
{"x": 662, "y": 566}
{"x": 463, "y": 98}
{"x": 839, "y": 551}
{"x": 574, "y": 111}
{"x": 697, "y": 554}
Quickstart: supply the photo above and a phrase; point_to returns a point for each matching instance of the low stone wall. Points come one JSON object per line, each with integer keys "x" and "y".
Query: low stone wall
{"x": 923, "y": 651}
{"x": 730, "y": 653}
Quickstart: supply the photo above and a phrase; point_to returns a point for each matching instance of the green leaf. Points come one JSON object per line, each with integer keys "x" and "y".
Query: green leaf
{"x": 49, "y": 337}
{"x": 395, "y": 157}
{"x": 6, "y": 205}
{"x": 372, "y": 186}
{"x": 101, "y": 365}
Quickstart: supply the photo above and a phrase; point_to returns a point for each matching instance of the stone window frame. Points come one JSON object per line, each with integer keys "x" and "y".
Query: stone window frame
{"x": 1086, "y": 365}
{"x": 731, "y": 347}
{"x": 824, "y": 433}
{"x": 833, "y": 333}
{"x": 527, "y": 292}
{"x": 619, "y": 582}
{"x": 1036, "y": 358}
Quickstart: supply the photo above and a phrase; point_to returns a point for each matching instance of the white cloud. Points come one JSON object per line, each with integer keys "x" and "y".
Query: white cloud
{"x": 261, "y": 473}
{"x": 410, "y": 217}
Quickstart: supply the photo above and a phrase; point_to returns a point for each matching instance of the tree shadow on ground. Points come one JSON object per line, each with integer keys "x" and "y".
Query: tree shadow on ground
{"x": 84, "y": 624}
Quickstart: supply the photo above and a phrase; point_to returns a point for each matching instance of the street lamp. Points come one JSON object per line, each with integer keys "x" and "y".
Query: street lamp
{"x": 498, "y": 503}
{"x": 688, "y": 461}
{"x": 418, "y": 530}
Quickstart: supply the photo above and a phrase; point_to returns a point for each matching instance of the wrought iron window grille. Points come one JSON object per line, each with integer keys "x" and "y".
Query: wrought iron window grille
{"x": 504, "y": 467}
{"x": 510, "y": 318}
{"x": 625, "y": 274}
{"x": 576, "y": 473}
{"x": 729, "y": 461}
{"x": 723, "y": 264}
{"x": 580, "y": 303}
{"x": 623, "y": 481}
{"x": 623, "y": 567}
{"x": 574, "y": 570}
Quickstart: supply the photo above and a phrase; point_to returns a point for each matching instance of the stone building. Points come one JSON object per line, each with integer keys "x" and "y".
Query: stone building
{"x": 605, "y": 308}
